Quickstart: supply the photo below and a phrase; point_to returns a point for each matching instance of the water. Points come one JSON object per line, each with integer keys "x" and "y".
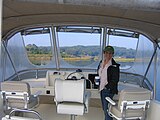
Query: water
{"x": 123, "y": 65}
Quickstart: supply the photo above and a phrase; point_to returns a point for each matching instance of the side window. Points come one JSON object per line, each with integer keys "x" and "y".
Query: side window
{"x": 38, "y": 45}
{"x": 125, "y": 45}
{"x": 79, "y": 46}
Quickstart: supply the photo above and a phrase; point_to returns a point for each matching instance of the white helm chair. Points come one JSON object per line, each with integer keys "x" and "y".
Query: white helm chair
{"x": 71, "y": 97}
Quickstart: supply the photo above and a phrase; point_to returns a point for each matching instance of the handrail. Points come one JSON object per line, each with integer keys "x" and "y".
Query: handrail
{"x": 41, "y": 69}
{"x": 143, "y": 77}
{"x": 24, "y": 110}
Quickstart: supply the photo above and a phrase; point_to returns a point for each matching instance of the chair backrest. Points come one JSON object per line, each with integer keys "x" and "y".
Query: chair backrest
{"x": 16, "y": 94}
{"x": 15, "y": 86}
{"x": 136, "y": 98}
{"x": 69, "y": 90}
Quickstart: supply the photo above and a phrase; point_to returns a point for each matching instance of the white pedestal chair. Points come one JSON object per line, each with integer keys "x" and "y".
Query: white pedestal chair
{"x": 71, "y": 97}
{"x": 17, "y": 95}
{"x": 132, "y": 104}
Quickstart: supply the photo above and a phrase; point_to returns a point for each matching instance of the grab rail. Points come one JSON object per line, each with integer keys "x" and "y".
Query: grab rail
{"x": 23, "y": 110}
{"x": 37, "y": 70}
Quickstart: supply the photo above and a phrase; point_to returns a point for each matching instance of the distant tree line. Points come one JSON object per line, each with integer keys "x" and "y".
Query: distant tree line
{"x": 80, "y": 51}
{"x": 33, "y": 49}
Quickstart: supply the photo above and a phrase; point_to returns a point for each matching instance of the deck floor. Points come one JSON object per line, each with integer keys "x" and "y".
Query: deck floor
{"x": 47, "y": 109}
{"x": 48, "y": 112}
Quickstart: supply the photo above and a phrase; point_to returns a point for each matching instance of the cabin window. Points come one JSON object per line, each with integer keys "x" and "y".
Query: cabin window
{"x": 38, "y": 45}
{"x": 79, "y": 46}
{"x": 125, "y": 45}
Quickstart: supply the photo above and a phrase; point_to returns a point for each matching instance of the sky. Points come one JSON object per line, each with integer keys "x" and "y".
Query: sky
{"x": 72, "y": 39}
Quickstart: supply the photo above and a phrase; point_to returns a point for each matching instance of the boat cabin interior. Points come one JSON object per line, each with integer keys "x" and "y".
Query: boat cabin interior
{"x": 50, "y": 51}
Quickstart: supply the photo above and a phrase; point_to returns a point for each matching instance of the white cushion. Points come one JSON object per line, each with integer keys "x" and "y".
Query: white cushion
{"x": 17, "y": 86}
{"x": 69, "y": 90}
{"x": 70, "y": 108}
{"x": 139, "y": 94}
{"x": 135, "y": 100}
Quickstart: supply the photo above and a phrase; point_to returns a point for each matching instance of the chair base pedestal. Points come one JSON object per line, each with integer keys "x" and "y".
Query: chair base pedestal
{"x": 73, "y": 117}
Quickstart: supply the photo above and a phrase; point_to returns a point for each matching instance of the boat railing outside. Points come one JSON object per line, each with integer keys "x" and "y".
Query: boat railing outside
{"x": 125, "y": 77}
{"x": 136, "y": 79}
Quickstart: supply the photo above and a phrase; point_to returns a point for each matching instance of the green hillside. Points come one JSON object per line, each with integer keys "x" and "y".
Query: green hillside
{"x": 79, "y": 51}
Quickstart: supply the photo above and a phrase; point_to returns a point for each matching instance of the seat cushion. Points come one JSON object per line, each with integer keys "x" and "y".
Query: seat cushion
{"x": 129, "y": 94}
{"x": 129, "y": 113}
{"x": 15, "y": 86}
{"x": 70, "y": 108}
{"x": 18, "y": 103}
{"x": 70, "y": 90}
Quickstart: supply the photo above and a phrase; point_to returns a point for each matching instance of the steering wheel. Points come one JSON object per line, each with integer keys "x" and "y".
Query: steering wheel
{"x": 75, "y": 76}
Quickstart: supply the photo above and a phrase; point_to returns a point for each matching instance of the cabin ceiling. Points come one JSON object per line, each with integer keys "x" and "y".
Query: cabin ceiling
{"x": 139, "y": 15}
